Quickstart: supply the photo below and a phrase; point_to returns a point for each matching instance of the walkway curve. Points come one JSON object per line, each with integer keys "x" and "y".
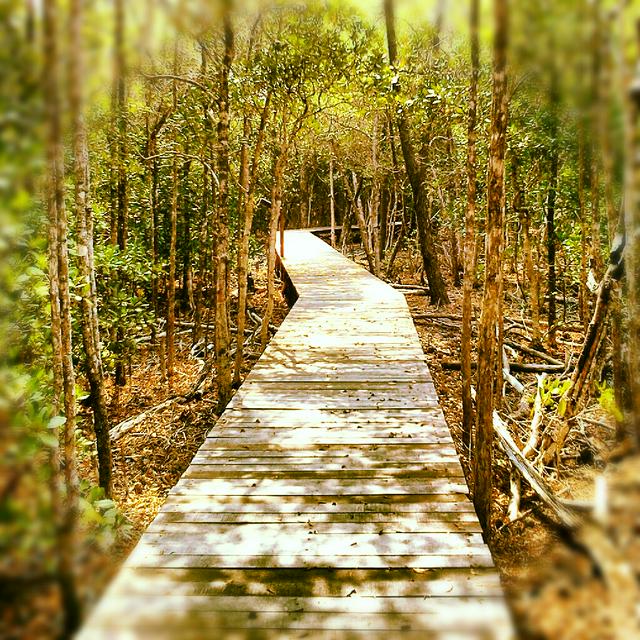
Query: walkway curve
{"x": 327, "y": 501}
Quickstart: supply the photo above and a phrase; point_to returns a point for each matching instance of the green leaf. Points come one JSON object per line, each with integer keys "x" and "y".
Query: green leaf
{"x": 56, "y": 421}
{"x": 562, "y": 406}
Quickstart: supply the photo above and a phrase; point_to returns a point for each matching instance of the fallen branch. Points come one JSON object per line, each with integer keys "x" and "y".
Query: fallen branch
{"x": 419, "y": 287}
{"x": 506, "y": 373}
{"x": 122, "y": 428}
{"x": 534, "y": 352}
{"x": 414, "y": 292}
{"x": 521, "y": 367}
{"x": 566, "y": 517}
{"x": 536, "y": 421}
{"x": 437, "y": 316}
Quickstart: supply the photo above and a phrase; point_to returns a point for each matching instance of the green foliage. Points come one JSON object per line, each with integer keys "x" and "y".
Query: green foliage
{"x": 124, "y": 283}
{"x": 607, "y": 400}
{"x": 553, "y": 394}
{"x": 105, "y": 522}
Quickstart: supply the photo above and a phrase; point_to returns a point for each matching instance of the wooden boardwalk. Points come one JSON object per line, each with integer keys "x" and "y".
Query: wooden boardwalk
{"x": 328, "y": 500}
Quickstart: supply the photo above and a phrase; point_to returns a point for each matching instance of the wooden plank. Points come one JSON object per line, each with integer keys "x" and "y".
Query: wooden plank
{"x": 311, "y": 435}
{"x": 303, "y": 462}
{"x": 399, "y": 453}
{"x": 300, "y": 539}
{"x": 304, "y": 414}
{"x": 436, "y": 607}
{"x": 423, "y": 388}
{"x": 361, "y": 469}
{"x": 203, "y": 524}
{"x": 145, "y": 556}
{"x": 386, "y": 503}
{"x": 212, "y": 472}
{"x": 450, "y": 582}
{"x": 294, "y": 487}
{"x": 333, "y": 399}
{"x": 178, "y": 631}
{"x": 350, "y": 522}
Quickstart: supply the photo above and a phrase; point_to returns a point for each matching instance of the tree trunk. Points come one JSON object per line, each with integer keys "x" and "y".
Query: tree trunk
{"x": 173, "y": 237}
{"x": 489, "y": 350}
{"x": 594, "y": 170}
{"x": 63, "y": 373}
{"x": 620, "y": 382}
{"x": 332, "y": 204}
{"x": 632, "y": 225}
{"x": 374, "y": 200}
{"x": 84, "y": 226}
{"x": 274, "y": 218}
{"x": 249, "y": 182}
{"x": 554, "y": 161}
{"x": 426, "y": 239}
{"x": 222, "y": 331}
{"x": 468, "y": 416}
{"x": 120, "y": 119}
{"x": 583, "y": 302}
{"x": 358, "y": 209}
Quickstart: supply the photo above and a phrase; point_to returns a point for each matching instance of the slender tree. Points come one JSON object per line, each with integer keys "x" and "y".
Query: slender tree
{"x": 222, "y": 328}
{"x": 632, "y": 224}
{"x": 332, "y": 203}
{"x": 173, "y": 232}
{"x": 489, "y": 349}
{"x": 248, "y": 185}
{"x": 554, "y": 164}
{"x": 60, "y": 301}
{"x": 415, "y": 173}
{"x": 120, "y": 206}
{"x": 470, "y": 228}
{"x": 84, "y": 227}
{"x": 279, "y": 166}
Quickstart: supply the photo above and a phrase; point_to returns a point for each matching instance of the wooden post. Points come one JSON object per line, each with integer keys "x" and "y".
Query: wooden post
{"x": 281, "y": 224}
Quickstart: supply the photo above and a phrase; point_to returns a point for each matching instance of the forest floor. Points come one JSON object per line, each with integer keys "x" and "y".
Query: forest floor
{"x": 554, "y": 588}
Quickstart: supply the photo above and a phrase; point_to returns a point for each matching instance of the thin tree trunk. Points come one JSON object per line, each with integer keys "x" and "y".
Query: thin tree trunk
{"x": 620, "y": 382}
{"x": 274, "y": 218}
{"x": 554, "y": 99}
{"x": 489, "y": 350}
{"x": 591, "y": 345}
{"x": 583, "y": 306}
{"x": 120, "y": 119}
{"x": 632, "y": 225}
{"x": 332, "y": 203}
{"x": 426, "y": 236}
{"x": 345, "y": 235}
{"x": 594, "y": 181}
{"x": 84, "y": 224}
{"x": 173, "y": 236}
{"x": 468, "y": 416}
{"x": 374, "y": 201}
{"x": 354, "y": 192}
{"x": 222, "y": 331}
{"x": 248, "y": 181}
{"x": 63, "y": 373}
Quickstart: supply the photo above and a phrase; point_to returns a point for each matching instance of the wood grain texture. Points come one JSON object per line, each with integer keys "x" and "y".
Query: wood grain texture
{"x": 327, "y": 501}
